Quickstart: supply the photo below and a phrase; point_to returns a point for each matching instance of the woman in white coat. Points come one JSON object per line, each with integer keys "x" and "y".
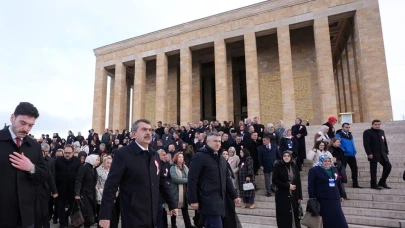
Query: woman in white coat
{"x": 233, "y": 161}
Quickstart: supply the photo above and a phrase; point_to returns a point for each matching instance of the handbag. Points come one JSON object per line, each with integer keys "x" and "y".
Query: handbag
{"x": 77, "y": 217}
{"x": 311, "y": 221}
{"x": 248, "y": 186}
{"x": 300, "y": 211}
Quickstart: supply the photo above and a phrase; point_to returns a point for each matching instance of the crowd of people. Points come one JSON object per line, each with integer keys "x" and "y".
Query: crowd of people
{"x": 142, "y": 175}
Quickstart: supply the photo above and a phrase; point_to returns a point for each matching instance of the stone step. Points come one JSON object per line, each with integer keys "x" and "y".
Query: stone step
{"x": 395, "y": 172}
{"x": 398, "y": 192}
{"x": 347, "y": 203}
{"x": 258, "y": 211}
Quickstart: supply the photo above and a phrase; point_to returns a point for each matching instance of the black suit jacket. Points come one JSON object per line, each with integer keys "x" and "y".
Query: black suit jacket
{"x": 17, "y": 194}
{"x": 138, "y": 176}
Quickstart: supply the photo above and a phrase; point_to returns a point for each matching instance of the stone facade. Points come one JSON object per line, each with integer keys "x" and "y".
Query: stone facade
{"x": 302, "y": 58}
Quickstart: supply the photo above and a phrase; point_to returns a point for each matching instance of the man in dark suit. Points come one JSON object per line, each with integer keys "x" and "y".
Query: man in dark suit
{"x": 65, "y": 173}
{"x": 209, "y": 182}
{"x": 376, "y": 147}
{"x": 154, "y": 140}
{"x": 268, "y": 154}
{"x": 136, "y": 171}
{"x": 22, "y": 167}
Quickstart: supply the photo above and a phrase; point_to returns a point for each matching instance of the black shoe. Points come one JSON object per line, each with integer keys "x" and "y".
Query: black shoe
{"x": 357, "y": 186}
{"x": 376, "y": 187}
{"x": 384, "y": 186}
{"x": 268, "y": 194}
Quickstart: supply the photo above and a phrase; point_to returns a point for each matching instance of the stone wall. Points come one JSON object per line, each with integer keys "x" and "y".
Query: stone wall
{"x": 305, "y": 73}
{"x": 269, "y": 76}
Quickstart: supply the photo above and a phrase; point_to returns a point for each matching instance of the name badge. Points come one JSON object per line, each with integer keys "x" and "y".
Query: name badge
{"x": 289, "y": 145}
{"x": 331, "y": 183}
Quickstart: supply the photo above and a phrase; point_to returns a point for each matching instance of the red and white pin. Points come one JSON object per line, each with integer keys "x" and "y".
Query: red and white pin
{"x": 157, "y": 167}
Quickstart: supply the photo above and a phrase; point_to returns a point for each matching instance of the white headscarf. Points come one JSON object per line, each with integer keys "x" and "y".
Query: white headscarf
{"x": 91, "y": 159}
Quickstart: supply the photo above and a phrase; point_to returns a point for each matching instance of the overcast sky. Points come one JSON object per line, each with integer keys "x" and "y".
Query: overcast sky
{"x": 46, "y": 50}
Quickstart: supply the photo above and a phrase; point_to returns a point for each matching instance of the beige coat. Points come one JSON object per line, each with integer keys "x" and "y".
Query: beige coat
{"x": 234, "y": 163}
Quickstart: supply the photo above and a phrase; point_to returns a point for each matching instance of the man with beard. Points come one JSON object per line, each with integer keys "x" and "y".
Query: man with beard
{"x": 65, "y": 169}
{"x": 22, "y": 168}
{"x": 136, "y": 171}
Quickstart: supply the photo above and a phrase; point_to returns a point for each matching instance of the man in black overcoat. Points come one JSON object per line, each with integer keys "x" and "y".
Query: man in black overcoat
{"x": 376, "y": 147}
{"x": 22, "y": 168}
{"x": 136, "y": 171}
{"x": 209, "y": 182}
{"x": 65, "y": 173}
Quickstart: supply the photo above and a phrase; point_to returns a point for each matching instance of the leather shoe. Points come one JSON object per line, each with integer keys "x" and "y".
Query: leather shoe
{"x": 384, "y": 186}
{"x": 375, "y": 187}
{"x": 356, "y": 186}
{"x": 268, "y": 194}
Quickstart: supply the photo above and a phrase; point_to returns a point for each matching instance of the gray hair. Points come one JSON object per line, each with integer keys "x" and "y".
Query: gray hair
{"x": 102, "y": 144}
{"x": 161, "y": 151}
{"x": 44, "y": 146}
{"x": 135, "y": 126}
{"x": 213, "y": 134}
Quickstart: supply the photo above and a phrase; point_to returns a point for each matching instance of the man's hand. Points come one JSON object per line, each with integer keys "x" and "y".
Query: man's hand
{"x": 341, "y": 200}
{"x": 247, "y": 178}
{"x": 21, "y": 162}
{"x": 292, "y": 187}
{"x": 104, "y": 223}
{"x": 194, "y": 206}
{"x": 300, "y": 200}
{"x": 237, "y": 201}
{"x": 174, "y": 212}
{"x": 77, "y": 197}
{"x": 261, "y": 167}
{"x": 370, "y": 156}
{"x": 55, "y": 195}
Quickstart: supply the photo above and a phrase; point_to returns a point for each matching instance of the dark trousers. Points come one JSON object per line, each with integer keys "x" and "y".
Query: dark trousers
{"x": 186, "y": 217}
{"x": 62, "y": 212}
{"x": 351, "y": 160}
{"x": 116, "y": 212}
{"x": 55, "y": 210}
{"x": 213, "y": 221}
{"x": 373, "y": 172}
{"x": 41, "y": 213}
{"x": 161, "y": 221}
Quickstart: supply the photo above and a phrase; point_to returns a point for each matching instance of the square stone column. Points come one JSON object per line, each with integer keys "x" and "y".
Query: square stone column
{"x": 325, "y": 68}
{"x": 375, "y": 93}
{"x": 138, "y": 96}
{"x": 286, "y": 75}
{"x": 221, "y": 81}
{"x": 111, "y": 106}
{"x": 100, "y": 99}
{"x": 252, "y": 76}
{"x": 161, "y": 87}
{"x": 120, "y": 95}
{"x": 186, "y": 86}
{"x": 354, "y": 87}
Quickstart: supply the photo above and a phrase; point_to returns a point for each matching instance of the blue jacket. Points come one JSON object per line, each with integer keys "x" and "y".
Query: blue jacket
{"x": 346, "y": 143}
{"x": 267, "y": 158}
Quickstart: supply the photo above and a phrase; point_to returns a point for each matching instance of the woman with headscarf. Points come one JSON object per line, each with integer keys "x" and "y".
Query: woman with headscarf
{"x": 246, "y": 174}
{"x": 331, "y": 130}
{"x": 280, "y": 131}
{"x": 299, "y": 131}
{"x": 286, "y": 177}
{"x": 271, "y": 133}
{"x": 322, "y": 135}
{"x": 340, "y": 159}
{"x": 82, "y": 156}
{"x": 85, "y": 189}
{"x": 289, "y": 142}
{"x": 324, "y": 185}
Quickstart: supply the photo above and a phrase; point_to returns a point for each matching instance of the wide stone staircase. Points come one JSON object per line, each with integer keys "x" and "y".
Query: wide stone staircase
{"x": 366, "y": 207}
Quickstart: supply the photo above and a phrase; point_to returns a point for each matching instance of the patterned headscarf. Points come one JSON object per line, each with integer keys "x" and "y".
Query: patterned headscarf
{"x": 299, "y": 120}
{"x": 321, "y": 159}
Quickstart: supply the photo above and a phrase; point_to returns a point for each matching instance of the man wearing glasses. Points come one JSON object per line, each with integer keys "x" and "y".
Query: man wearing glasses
{"x": 65, "y": 172}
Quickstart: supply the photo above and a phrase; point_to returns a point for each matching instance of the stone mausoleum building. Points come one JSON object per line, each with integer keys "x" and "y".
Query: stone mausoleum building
{"x": 278, "y": 59}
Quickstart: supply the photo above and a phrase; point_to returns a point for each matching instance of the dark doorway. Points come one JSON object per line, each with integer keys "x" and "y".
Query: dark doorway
{"x": 239, "y": 88}
{"x": 208, "y": 104}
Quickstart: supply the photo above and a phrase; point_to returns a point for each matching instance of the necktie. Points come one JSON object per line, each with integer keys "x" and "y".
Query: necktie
{"x": 18, "y": 142}
{"x": 268, "y": 148}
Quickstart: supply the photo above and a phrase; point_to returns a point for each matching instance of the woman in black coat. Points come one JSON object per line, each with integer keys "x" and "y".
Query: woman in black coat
{"x": 336, "y": 151}
{"x": 289, "y": 194}
{"x": 246, "y": 174}
{"x": 85, "y": 189}
{"x": 325, "y": 186}
{"x": 299, "y": 131}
